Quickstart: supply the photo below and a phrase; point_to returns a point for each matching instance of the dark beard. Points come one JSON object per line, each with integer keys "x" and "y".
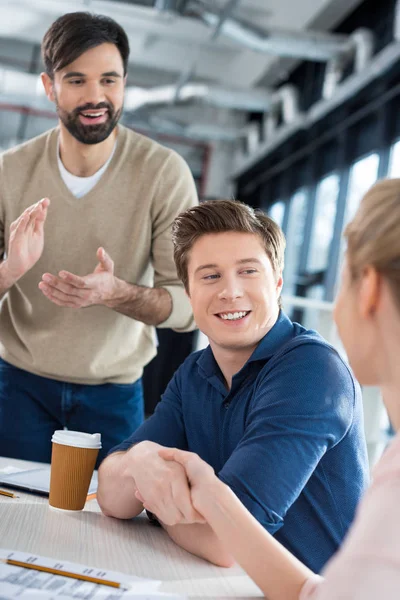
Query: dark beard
{"x": 89, "y": 134}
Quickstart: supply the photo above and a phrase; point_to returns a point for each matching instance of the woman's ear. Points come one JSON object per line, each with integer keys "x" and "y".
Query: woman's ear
{"x": 369, "y": 291}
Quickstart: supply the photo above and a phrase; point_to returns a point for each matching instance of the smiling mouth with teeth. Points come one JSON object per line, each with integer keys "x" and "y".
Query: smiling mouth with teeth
{"x": 94, "y": 115}
{"x": 234, "y": 316}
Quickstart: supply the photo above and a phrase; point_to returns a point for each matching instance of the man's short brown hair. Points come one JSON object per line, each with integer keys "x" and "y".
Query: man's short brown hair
{"x": 222, "y": 216}
{"x": 74, "y": 33}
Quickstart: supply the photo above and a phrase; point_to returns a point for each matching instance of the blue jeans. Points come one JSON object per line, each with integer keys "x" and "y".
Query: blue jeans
{"x": 33, "y": 407}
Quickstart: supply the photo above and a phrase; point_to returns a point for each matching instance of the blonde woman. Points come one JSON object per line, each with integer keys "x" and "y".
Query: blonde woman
{"x": 367, "y": 314}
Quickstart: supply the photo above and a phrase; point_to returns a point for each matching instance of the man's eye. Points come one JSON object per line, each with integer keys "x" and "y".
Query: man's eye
{"x": 75, "y": 81}
{"x": 249, "y": 271}
{"x": 108, "y": 81}
{"x": 210, "y": 277}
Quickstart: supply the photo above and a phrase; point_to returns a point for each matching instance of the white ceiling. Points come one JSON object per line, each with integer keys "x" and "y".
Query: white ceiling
{"x": 163, "y": 45}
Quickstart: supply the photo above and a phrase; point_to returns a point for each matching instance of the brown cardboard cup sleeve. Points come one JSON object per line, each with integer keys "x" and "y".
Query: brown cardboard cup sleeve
{"x": 73, "y": 460}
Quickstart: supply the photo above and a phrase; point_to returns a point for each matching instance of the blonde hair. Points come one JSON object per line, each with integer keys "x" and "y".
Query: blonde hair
{"x": 373, "y": 236}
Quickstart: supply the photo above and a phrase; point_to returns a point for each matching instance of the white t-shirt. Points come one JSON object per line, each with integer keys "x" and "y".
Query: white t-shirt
{"x": 79, "y": 186}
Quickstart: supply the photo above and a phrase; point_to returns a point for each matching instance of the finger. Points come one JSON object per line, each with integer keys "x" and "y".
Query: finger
{"x": 45, "y": 203}
{"x": 106, "y": 262}
{"x": 179, "y": 456}
{"x": 182, "y": 498}
{"x": 20, "y": 223}
{"x": 39, "y": 217}
{"x": 74, "y": 280}
{"x": 59, "y": 298}
{"x": 160, "y": 501}
{"x": 59, "y": 303}
{"x": 67, "y": 288}
{"x": 36, "y": 221}
{"x": 168, "y": 514}
{"x": 41, "y": 206}
{"x": 35, "y": 208}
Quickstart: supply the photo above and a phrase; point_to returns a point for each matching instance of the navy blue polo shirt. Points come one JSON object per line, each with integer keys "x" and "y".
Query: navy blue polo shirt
{"x": 287, "y": 437}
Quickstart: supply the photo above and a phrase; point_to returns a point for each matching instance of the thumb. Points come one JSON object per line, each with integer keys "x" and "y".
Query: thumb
{"x": 179, "y": 456}
{"x": 105, "y": 260}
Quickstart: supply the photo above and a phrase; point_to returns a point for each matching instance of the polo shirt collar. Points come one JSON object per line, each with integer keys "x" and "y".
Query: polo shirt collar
{"x": 273, "y": 341}
{"x": 277, "y": 337}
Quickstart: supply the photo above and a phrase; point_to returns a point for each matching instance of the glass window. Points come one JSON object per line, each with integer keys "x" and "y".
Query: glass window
{"x": 294, "y": 239}
{"x": 311, "y": 316}
{"x": 321, "y": 237}
{"x": 363, "y": 174}
{"x": 324, "y": 221}
{"x": 277, "y": 211}
{"x": 394, "y": 164}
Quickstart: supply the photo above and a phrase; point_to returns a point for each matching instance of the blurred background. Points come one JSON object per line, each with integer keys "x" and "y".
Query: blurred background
{"x": 291, "y": 106}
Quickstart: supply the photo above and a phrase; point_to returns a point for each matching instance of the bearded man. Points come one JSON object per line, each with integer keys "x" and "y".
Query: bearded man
{"x": 99, "y": 240}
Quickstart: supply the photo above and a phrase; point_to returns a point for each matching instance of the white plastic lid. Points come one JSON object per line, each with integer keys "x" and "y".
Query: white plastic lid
{"x": 77, "y": 439}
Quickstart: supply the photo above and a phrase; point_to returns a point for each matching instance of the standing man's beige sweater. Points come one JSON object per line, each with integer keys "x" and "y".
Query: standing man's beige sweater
{"x": 129, "y": 212}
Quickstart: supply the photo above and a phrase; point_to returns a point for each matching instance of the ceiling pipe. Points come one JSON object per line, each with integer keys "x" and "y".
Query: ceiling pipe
{"x": 308, "y": 45}
{"x": 360, "y": 51}
{"x": 381, "y": 63}
{"x": 284, "y": 103}
{"x": 256, "y": 99}
{"x": 363, "y": 42}
{"x": 198, "y": 131}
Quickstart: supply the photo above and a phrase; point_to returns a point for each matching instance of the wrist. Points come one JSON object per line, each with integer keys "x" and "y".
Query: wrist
{"x": 120, "y": 293}
{"x": 142, "y": 450}
{"x": 207, "y": 498}
{"x": 7, "y": 276}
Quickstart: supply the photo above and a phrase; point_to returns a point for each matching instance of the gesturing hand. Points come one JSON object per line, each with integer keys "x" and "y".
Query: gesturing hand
{"x": 78, "y": 292}
{"x": 162, "y": 486}
{"x": 26, "y": 241}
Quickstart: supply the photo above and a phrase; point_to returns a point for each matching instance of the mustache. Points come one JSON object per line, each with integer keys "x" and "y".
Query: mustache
{"x": 90, "y": 106}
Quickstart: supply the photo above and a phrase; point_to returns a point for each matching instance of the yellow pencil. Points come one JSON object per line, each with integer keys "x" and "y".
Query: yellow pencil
{"x": 18, "y": 563}
{"x": 8, "y": 494}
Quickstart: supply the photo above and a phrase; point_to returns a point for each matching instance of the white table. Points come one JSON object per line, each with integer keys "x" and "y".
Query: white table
{"x": 135, "y": 547}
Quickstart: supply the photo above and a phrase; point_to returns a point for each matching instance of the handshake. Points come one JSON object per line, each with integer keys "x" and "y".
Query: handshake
{"x": 174, "y": 485}
{"x": 25, "y": 247}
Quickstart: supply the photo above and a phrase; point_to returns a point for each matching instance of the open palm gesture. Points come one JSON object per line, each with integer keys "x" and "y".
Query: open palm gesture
{"x": 26, "y": 240}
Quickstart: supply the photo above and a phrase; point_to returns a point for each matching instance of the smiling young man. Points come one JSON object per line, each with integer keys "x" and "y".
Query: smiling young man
{"x": 269, "y": 405}
{"x": 100, "y": 240}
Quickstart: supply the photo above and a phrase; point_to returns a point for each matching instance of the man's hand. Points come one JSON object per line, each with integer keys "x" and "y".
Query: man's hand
{"x": 202, "y": 479}
{"x": 162, "y": 485}
{"x": 78, "y": 292}
{"x": 26, "y": 241}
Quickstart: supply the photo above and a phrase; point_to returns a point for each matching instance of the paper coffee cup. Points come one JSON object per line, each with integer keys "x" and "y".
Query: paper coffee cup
{"x": 73, "y": 459}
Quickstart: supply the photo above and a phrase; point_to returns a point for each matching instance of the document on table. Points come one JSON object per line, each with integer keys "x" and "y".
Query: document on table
{"x": 30, "y": 584}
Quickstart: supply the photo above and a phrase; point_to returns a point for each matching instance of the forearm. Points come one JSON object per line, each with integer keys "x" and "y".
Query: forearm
{"x": 116, "y": 488}
{"x": 149, "y": 305}
{"x": 276, "y": 571}
{"x": 200, "y": 540}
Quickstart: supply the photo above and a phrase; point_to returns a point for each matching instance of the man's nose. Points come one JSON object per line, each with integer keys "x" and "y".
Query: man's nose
{"x": 93, "y": 93}
{"x": 230, "y": 289}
